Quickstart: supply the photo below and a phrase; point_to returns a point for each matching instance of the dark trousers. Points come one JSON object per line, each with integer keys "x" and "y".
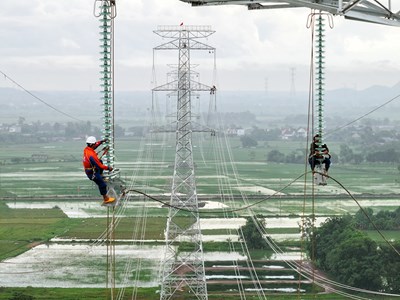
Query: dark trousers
{"x": 98, "y": 179}
{"x": 315, "y": 161}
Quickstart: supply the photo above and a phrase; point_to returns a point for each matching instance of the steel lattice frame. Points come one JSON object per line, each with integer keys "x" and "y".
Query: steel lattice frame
{"x": 183, "y": 271}
{"x": 360, "y": 10}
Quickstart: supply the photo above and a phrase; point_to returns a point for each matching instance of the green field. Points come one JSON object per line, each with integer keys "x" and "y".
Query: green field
{"x": 62, "y": 173}
{"x": 60, "y": 179}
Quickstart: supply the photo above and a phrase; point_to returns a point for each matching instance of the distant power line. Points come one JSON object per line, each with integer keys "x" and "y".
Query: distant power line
{"x": 36, "y": 97}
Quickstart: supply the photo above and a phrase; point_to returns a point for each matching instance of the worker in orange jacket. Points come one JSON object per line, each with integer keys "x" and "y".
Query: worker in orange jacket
{"x": 94, "y": 167}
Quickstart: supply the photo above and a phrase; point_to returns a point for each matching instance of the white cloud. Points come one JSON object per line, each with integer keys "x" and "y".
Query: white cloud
{"x": 251, "y": 45}
{"x": 68, "y": 43}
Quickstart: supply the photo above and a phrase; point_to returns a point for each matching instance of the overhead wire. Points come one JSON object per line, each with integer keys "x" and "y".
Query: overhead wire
{"x": 270, "y": 196}
{"x": 310, "y": 121}
{"x": 138, "y": 231}
{"x": 221, "y": 176}
{"x": 364, "y": 212}
{"x": 227, "y": 211}
{"x": 221, "y": 163}
{"x": 38, "y": 98}
{"x": 363, "y": 116}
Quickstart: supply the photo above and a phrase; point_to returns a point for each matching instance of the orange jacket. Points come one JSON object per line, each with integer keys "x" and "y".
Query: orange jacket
{"x": 91, "y": 160}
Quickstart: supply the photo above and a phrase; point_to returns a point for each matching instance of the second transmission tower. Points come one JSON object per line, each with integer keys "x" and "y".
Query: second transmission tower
{"x": 183, "y": 271}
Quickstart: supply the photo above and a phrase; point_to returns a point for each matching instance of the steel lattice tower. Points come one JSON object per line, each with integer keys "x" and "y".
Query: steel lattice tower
{"x": 183, "y": 271}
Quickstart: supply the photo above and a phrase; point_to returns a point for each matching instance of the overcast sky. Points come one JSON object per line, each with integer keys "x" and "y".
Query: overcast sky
{"x": 54, "y": 45}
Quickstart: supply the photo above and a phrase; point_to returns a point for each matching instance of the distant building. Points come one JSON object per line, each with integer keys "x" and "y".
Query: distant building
{"x": 235, "y": 132}
{"x": 291, "y": 133}
{"x": 240, "y": 132}
{"x": 14, "y": 129}
{"x": 301, "y": 132}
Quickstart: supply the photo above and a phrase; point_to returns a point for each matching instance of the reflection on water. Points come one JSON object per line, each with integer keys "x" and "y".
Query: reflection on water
{"x": 79, "y": 265}
{"x": 84, "y": 265}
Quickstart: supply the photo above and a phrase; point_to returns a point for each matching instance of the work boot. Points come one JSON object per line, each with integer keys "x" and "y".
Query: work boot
{"x": 108, "y": 199}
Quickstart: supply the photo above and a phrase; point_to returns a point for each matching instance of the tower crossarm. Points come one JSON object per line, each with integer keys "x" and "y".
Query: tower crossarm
{"x": 193, "y": 31}
{"x": 173, "y": 86}
{"x": 191, "y": 44}
{"x": 372, "y": 11}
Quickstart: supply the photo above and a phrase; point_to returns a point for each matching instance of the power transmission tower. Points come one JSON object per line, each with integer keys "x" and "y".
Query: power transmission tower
{"x": 183, "y": 271}
{"x": 292, "y": 82}
{"x": 266, "y": 87}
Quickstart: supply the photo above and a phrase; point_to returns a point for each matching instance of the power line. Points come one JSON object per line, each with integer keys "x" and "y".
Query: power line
{"x": 364, "y": 115}
{"x": 363, "y": 210}
{"x": 37, "y": 98}
{"x": 265, "y": 199}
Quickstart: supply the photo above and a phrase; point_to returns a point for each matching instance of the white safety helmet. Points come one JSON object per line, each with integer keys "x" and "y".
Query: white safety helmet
{"x": 91, "y": 140}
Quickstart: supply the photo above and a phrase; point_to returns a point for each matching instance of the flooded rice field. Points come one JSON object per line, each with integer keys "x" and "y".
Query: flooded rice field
{"x": 92, "y": 209}
{"x": 259, "y": 190}
{"x": 84, "y": 265}
{"x": 74, "y": 265}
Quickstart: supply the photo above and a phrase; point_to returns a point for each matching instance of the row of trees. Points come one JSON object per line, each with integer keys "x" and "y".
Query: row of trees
{"x": 389, "y": 154}
{"x": 365, "y": 135}
{"x": 346, "y": 253}
{"x": 352, "y": 258}
{"x": 45, "y": 132}
{"x": 383, "y": 220}
{"x": 346, "y": 155}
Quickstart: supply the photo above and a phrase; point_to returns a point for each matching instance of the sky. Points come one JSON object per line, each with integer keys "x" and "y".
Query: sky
{"x": 54, "y": 45}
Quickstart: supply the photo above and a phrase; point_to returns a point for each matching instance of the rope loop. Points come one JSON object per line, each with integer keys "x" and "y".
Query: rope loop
{"x": 112, "y": 14}
{"x": 311, "y": 18}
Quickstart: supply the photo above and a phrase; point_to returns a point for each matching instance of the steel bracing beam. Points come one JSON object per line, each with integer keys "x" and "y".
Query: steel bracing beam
{"x": 372, "y": 11}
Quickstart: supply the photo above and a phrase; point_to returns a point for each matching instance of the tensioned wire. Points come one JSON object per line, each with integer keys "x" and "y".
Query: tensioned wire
{"x": 244, "y": 197}
{"x": 138, "y": 231}
{"x": 121, "y": 209}
{"x": 222, "y": 162}
{"x": 219, "y": 162}
{"x": 226, "y": 189}
{"x": 149, "y": 157}
{"x": 249, "y": 205}
{"x": 259, "y": 289}
{"x": 340, "y": 128}
{"x": 141, "y": 216}
{"x": 295, "y": 265}
{"x": 38, "y": 98}
{"x": 310, "y": 123}
{"x": 137, "y": 234}
{"x": 226, "y": 192}
{"x": 363, "y": 116}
